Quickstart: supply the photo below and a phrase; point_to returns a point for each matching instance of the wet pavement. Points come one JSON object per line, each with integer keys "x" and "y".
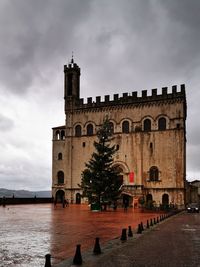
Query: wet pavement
{"x": 174, "y": 242}
{"x": 28, "y": 232}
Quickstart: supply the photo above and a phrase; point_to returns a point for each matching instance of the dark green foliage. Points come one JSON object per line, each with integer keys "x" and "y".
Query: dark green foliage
{"x": 101, "y": 180}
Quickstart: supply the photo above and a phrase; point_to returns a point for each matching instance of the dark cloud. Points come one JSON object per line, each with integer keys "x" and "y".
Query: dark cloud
{"x": 34, "y": 35}
{"x": 120, "y": 45}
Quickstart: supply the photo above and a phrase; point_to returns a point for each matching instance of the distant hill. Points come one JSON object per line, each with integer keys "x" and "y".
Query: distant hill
{"x": 23, "y": 193}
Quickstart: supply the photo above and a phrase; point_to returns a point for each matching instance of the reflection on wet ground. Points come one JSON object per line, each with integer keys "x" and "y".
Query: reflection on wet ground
{"x": 28, "y": 232}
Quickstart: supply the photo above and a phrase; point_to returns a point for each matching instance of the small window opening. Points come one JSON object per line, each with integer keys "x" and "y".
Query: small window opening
{"x": 147, "y": 125}
{"x": 59, "y": 156}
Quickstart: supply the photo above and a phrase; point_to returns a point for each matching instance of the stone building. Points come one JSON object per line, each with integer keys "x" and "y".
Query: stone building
{"x": 149, "y": 132}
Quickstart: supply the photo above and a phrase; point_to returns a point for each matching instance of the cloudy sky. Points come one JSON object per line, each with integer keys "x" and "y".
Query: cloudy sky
{"x": 120, "y": 45}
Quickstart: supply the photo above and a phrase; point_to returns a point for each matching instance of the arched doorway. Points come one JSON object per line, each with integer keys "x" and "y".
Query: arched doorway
{"x": 126, "y": 200}
{"x": 149, "y": 201}
{"x": 165, "y": 200}
{"x": 60, "y": 195}
{"x": 78, "y": 198}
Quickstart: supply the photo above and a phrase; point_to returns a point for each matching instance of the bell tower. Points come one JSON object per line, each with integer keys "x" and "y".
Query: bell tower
{"x": 71, "y": 84}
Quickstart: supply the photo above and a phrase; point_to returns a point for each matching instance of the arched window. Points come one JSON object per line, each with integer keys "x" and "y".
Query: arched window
{"x": 162, "y": 124}
{"x": 111, "y": 125}
{"x": 62, "y": 135}
{"x": 78, "y": 130}
{"x": 147, "y": 125}
{"x": 153, "y": 174}
{"x": 59, "y": 156}
{"x": 89, "y": 129}
{"x": 125, "y": 127}
{"x": 57, "y": 135}
{"x": 60, "y": 176}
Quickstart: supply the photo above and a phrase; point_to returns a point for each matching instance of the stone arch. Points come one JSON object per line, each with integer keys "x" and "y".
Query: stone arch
{"x": 78, "y": 198}
{"x": 162, "y": 122}
{"x": 122, "y": 165}
{"x": 60, "y": 195}
{"x": 165, "y": 200}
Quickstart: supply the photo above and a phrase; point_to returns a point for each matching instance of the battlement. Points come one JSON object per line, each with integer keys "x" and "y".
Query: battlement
{"x": 133, "y": 98}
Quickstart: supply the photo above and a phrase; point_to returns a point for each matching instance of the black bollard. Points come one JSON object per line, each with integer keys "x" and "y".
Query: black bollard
{"x": 139, "y": 231}
{"x": 151, "y": 223}
{"x": 142, "y": 227}
{"x": 47, "y": 260}
{"x": 147, "y": 224}
{"x": 123, "y": 236}
{"x": 130, "y": 233}
{"x": 97, "y": 249}
{"x": 77, "y": 257}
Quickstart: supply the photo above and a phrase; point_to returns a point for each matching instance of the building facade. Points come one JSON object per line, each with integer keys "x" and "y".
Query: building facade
{"x": 149, "y": 132}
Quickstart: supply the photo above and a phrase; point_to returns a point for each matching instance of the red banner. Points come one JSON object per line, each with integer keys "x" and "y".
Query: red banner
{"x": 131, "y": 177}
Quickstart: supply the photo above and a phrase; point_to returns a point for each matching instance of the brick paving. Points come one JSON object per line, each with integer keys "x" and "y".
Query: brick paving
{"x": 28, "y": 232}
{"x": 174, "y": 242}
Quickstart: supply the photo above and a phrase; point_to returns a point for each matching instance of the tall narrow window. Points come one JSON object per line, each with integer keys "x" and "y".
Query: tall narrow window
{"x": 78, "y": 130}
{"x": 111, "y": 125}
{"x": 59, "y": 156}
{"x": 60, "y": 176}
{"x": 153, "y": 174}
{"x": 69, "y": 84}
{"x": 62, "y": 135}
{"x": 125, "y": 127}
{"x": 57, "y": 135}
{"x": 147, "y": 125}
{"x": 90, "y": 129}
{"x": 162, "y": 124}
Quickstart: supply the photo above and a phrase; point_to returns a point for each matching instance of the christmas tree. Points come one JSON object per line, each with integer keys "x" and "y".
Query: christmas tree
{"x": 101, "y": 181}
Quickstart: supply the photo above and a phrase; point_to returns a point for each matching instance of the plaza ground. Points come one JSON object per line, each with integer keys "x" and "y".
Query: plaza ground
{"x": 174, "y": 242}
{"x": 28, "y": 232}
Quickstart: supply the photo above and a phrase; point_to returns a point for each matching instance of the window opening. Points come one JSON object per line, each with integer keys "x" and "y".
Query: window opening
{"x": 147, "y": 125}
{"x": 162, "y": 124}
{"x": 125, "y": 127}
{"x": 78, "y": 130}
{"x": 90, "y": 129}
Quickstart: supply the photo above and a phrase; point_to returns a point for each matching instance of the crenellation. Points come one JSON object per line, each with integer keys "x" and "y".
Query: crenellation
{"x": 183, "y": 89}
{"x": 164, "y": 91}
{"x": 107, "y": 98}
{"x": 154, "y": 92}
{"x": 134, "y": 94}
{"x": 174, "y": 89}
{"x": 125, "y": 95}
{"x": 144, "y": 93}
{"x": 134, "y": 98}
{"x": 98, "y": 99}
{"x": 89, "y": 100}
{"x": 116, "y": 96}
